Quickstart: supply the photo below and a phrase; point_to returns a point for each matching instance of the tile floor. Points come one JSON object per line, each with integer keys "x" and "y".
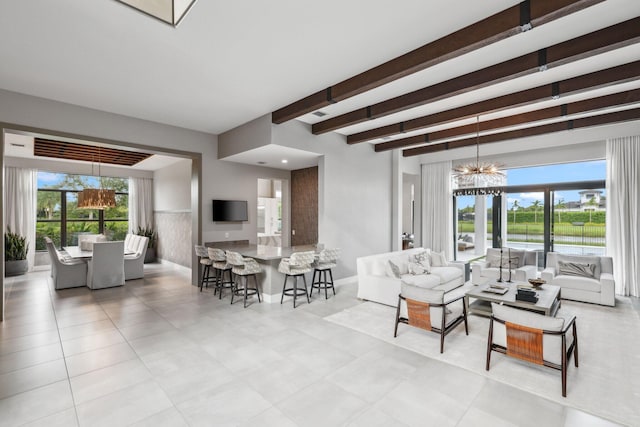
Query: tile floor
{"x": 157, "y": 352}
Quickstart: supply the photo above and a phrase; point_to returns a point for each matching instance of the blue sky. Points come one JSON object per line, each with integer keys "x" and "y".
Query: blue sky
{"x": 566, "y": 172}
{"x": 47, "y": 179}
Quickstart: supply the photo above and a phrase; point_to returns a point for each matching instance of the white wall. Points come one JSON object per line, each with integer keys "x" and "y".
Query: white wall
{"x": 354, "y": 194}
{"x": 172, "y": 187}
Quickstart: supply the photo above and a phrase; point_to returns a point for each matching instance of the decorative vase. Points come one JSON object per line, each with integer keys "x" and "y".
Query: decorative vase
{"x": 15, "y": 268}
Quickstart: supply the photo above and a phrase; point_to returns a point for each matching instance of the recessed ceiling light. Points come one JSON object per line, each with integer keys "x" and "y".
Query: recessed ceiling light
{"x": 319, "y": 113}
{"x": 285, "y": 161}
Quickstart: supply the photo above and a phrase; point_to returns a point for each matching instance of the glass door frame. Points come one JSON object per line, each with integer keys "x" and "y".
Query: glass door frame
{"x": 548, "y": 192}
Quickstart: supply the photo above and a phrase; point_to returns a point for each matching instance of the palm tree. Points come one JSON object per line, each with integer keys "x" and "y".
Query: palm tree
{"x": 514, "y": 208}
{"x": 592, "y": 204}
{"x": 560, "y": 205}
{"x": 535, "y": 205}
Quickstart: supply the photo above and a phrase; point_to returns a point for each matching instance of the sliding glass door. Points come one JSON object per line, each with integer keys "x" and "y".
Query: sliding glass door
{"x": 579, "y": 221}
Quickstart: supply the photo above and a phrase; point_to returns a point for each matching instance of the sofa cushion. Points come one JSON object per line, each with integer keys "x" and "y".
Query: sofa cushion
{"x": 378, "y": 266}
{"x": 581, "y": 260}
{"x": 577, "y": 282}
{"x": 427, "y": 281}
{"x": 446, "y": 274}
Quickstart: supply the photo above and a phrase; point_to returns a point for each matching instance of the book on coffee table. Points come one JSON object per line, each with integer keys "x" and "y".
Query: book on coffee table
{"x": 500, "y": 290}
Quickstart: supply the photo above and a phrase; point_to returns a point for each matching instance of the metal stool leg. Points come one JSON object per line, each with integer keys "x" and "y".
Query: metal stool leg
{"x": 306, "y": 292}
{"x": 255, "y": 278}
{"x": 284, "y": 287}
{"x": 333, "y": 288}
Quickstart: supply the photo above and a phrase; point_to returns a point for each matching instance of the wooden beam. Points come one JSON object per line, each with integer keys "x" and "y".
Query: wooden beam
{"x": 572, "y": 86}
{"x": 593, "y": 104}
{"x": 597, "y": 42}
{"x": 504, "y": 24}
{"x": 599, "y": 120}
{"x": 88, "y": 153}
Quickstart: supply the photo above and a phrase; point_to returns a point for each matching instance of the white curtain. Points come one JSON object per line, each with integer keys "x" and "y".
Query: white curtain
{"x": 437, "y": 208}
{"x": 20, "y": 204}
{"x": 623, "y": 212}
{"x": 140, "y": 203}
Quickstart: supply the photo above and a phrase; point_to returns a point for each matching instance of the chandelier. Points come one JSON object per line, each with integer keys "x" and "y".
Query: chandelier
{"x": 169, "y": 11}
{"x": 478, "y": 178}
{"x": 96, "y": 198}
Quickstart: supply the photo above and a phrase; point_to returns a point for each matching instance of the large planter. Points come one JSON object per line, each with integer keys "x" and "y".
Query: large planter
{"x": 150, "y": 256}
{"x": 15, "y": 268}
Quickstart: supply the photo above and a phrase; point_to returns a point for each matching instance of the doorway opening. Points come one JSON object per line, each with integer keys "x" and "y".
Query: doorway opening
{"x": 269, "y": 224}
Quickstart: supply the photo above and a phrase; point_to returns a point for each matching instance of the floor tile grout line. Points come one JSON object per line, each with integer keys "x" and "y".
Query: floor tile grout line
{"x": 66, "y": 367}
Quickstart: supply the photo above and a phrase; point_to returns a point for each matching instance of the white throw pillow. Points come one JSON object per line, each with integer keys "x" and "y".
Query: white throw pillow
{"x": 422, "y": 258}
{"x": 393, "y": 270}
{"x": 438, "y": 259}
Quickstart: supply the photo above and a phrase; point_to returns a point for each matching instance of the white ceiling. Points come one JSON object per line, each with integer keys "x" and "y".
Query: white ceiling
{"x": 231, "y": 62}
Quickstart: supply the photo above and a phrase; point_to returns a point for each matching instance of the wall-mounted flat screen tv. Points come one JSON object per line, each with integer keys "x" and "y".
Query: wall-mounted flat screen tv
{"x": 230, "y": 210}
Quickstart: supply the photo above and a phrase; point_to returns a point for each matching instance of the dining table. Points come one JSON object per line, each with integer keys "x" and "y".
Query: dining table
{"x": 77, "y": 253}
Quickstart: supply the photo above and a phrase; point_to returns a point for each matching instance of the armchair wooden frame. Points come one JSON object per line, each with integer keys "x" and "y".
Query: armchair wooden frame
{"x": 419, "y": 315}
{"x": 525, "y": 343}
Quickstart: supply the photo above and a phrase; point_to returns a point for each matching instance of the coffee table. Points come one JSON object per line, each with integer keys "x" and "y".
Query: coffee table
{"x": 548, "y": 299}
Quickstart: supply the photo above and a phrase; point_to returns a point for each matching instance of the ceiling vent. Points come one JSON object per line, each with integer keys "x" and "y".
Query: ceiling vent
{"x": 319, "y": 113}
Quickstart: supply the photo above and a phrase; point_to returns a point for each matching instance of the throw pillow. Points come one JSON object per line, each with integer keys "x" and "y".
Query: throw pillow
{"x": 394, "y": 270}
{"x": 467, "y": 238}
{"x": 494, "y": 261}
{"x": 422, "y": 258}
{"x": 582, "y": 259}
{"x": 438, "y": 259}
{"x": 576, "y": 269}
{"x": 415, "y": 268}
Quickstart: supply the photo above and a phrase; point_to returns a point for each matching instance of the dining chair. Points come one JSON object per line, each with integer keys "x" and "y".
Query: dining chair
{"x": 106, "y": 267}
{"x": 66, "y": 272}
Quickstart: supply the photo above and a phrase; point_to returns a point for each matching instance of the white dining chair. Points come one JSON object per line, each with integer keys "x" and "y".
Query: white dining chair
{"x": 106, "y": 267}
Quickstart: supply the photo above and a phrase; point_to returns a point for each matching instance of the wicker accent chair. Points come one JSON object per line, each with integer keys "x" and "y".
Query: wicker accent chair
{"x": 533, "y": 337}
{"x": 220, "y": 267}
{"x": 327, "y": 260}
{"x": 206, "y": 262}
{"x": 298, "y": 264}
{"x": 426, "y": 309}
{"x": 243, "y": 267}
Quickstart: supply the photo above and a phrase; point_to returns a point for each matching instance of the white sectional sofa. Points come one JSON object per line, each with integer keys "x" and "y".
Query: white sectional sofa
{"x": 596, "y": 286}
{"x": 135, "y": 248}
{"x": 376, "y": 283}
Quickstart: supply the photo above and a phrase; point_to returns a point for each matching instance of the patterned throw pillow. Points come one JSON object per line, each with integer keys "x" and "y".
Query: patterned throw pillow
{"x": 415, "y": 268}
{"x": 423, "y": 259}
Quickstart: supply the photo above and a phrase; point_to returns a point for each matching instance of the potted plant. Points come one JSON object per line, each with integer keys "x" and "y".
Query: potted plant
{"x": 15, "y": 254}
{"x": 149, "y": 232}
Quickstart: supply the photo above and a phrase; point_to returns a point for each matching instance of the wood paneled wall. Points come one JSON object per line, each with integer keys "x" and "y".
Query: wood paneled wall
{"x": 304, "y": 206}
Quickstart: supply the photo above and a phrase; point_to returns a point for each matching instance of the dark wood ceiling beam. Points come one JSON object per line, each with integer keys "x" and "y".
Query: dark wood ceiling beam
{"x": 87, "y": 153}
{"x": 599, "y": 120}
{"x": 572, "y": 86}
{"x": 597, "y": 42}
{"x": 592, "y": 104}
{"x": 504, "y": 24}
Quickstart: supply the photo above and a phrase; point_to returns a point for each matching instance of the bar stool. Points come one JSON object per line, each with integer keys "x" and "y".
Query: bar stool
{"x": 243, "y": 267}
{"x": 296, "y": 265}
{"x": 203, "y": 255}
{"x": 326, "y": 261}
{"x": 220, "y": 267}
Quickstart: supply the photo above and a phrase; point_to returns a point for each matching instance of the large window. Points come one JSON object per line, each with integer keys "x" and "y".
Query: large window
{"x": 59, "y": 217}
{"x": 559, "y": 208}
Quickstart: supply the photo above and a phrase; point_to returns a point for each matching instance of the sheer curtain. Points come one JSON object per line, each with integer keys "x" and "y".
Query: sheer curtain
{"x": 140, "y": 203}
{"x": 623, "y": 212}
{"x": 20, "y": 202}
{"x": 437, "y": 210}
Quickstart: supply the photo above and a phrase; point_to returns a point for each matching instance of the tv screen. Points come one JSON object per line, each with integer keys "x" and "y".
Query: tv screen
{"x": 230, "y": 210}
